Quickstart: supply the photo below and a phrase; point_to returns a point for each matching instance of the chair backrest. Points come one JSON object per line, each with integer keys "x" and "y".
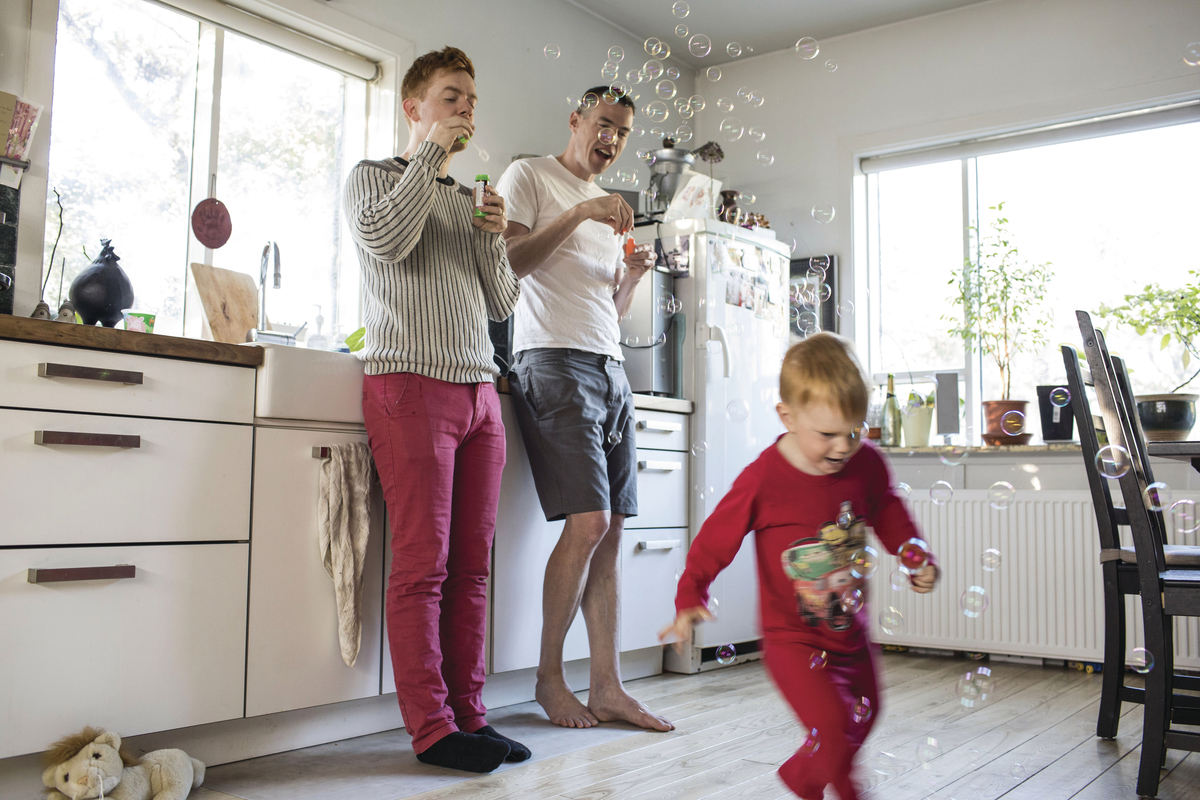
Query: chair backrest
{"x": 1127, "y": 444}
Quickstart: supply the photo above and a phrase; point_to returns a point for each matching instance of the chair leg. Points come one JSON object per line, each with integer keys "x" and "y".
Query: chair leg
{"x": 1113, "y": 676}
{"x": 1158, "y": 706}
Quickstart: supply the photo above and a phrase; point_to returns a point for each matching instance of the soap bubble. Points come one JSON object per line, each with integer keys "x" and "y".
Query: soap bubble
{"x": 615, "y": 437}
{"x": 973, "y": 688}
{"x": 1001, "y": 494}
{"x": 681, "y": 9}
{"x": 714, "y": 605}
{"x": 928, "y": 750}
{"x": 852, "y": 601}
{"x": 618, "y": 89}
{"x": 658, "y": 133}
{"x": 887, "y": 765}
{"x": 573, "y": 101}
{"x": 824, "y": 292}
{"x": 863, "y": 562}
{"x": 731, "y": 129}
{"x": 683, "y": 134}
{"x": 807, "y": 48}
{"x": 656, "y": 111}
{"x": 744, "y": 93}
{"x": 631, "y": 340}
{"x": 1012, "y": 423}
{"x": 953, "y": 456}
{"x": 607, "y": 136}
{"x": 734, "y": 49}
{"x": 819, "y": 263}
{"x": 1017, "y": 771}
{"x": 645, "y": 156}
{"x": 699, "y": 448}
{"x": 845, "y": 308}
{"x": 899, "y": 579}
{"x": 665, "y": 89}
{"x": 941, "y": 493}
{"x": 726, "y": 654}
{"x": 1183, "y": 514}
{"x": 1157, "y": 496}
{"x": 673, "y": 73}
{"x": 696, "y": 103}
{"x": 681, "y": 31}
{"x": 823, "y": 213}
{"x": 861, "y": 711}
{"x": 757, "y": 99}
{"x": 913, "y": 554}
{"x": 903, "y": 490}
{"x": 551, "y": 51}
{"x": 811, "y": 744}
{"x": 699, "y": 45}
{"x": 819, "y": 660}
{"x": 609, "y": 72}
{"x": 737, "y": 410}
{"x": 765, "y": 159}
{"x": 635, "y": 76}
{"x": 713, "y": 74}
{"x": 616, "y": 54}
{"x": 1060, "y": 397}
{"x": 990, "y": 560}
{"x": 891, "y": 621}
{"x": 1040, "y": 367}
{"x": 1191, "y": 54}
{"x": 1113, "y": 461}
{"x": 973, "y": 602}
{"x": 1140, "y": 660}
{"x": 653, "y": 69}
{"x": 746, "y": 197}
{"x": 831, "y": 66}
{"x": 651, "y": 46}
{"x": 757, "y": 134}
{"x": 725, "y": 104}
{"x": 589, "y": 101}
{"x": 637, "y": 129}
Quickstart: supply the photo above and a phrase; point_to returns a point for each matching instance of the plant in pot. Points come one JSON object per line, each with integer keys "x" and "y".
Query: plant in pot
{"x": 916, "y": 418}
{"x": 1173, "y": 314}
{"x": 1002, "y": 296}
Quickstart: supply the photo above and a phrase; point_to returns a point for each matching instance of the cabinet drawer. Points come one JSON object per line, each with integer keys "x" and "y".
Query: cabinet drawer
{"x": 163, "y": 649}
{"x": 83, "y": 380}
{"x": 650, "y": 559}
{"x": 661, "y": 430}
{"x": 185, "y": 481}
{"x": 662, "y": 490}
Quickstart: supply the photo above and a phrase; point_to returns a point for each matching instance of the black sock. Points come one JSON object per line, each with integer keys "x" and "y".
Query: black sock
{"x": 516, "y": 750}
{"x": 466, "y": 751}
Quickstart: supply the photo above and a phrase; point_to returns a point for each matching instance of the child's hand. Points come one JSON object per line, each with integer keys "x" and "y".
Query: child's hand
{"x": 681, "y": 628}
{"x": 923, "y": 580}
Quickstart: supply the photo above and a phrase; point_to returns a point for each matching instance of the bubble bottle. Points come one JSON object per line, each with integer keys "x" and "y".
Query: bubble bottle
{"x": 481, "y": 184}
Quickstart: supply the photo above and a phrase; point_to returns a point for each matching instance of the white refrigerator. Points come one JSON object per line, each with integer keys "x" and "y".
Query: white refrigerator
{"x": 735, "y": 303}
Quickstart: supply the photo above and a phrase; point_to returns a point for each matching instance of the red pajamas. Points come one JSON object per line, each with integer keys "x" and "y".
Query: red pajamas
{"x": 439, "y": 450}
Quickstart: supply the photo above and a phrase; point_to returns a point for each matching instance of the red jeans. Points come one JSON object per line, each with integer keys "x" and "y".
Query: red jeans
{"x": 439, "y": 450}
{"x": 825, "y": 699}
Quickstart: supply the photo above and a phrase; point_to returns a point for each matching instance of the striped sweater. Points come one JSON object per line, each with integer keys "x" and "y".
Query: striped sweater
{"x": 431, "y": 280}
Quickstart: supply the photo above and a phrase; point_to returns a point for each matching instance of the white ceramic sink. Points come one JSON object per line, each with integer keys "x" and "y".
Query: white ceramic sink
{"x": 317, "y": 385}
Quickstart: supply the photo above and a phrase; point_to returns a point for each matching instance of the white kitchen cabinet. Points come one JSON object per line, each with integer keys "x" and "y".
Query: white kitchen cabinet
{"x": 162, "y": 649}
{"x": 650, "y": 559}
{"x": 660, "y": 430}
{"x": 294, "y": 658}
{"x": 662, "y": 490}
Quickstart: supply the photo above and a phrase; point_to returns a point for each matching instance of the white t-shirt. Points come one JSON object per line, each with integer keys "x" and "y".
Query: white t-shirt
{"x": 567, "y": 302}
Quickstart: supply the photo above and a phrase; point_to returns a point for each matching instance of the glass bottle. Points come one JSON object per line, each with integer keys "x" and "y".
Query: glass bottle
{"x": 890, "y": 434}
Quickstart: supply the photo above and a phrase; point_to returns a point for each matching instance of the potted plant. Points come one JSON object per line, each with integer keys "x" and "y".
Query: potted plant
{"x": 916, "y": 417}
{"x": 1175, "y": 315}
{"x": 1002, "y": 297}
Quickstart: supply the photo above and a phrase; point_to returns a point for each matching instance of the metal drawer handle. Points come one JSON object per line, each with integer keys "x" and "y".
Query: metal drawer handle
{"x": 47, "y": 370}
{"x": 665, "y": 466}
{"x": 68, "y": 574}
{"x": 655, "y": 425}
{"x": 86, "y": 439}
{"x": 660, "y": 544}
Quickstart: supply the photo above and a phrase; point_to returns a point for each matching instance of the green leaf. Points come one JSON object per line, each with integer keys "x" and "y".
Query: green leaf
{"x": 1166, "y": 340}
{"x": 1187, "y": 358}
{"x": 355, "y": 340}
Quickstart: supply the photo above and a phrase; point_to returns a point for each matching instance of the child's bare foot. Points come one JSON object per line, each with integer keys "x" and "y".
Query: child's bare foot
{"x": 616, "y": 704}
{"x": 561, "y": 706}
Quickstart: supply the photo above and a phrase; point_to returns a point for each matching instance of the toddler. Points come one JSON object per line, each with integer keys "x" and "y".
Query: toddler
{"x": 810, "y": 498}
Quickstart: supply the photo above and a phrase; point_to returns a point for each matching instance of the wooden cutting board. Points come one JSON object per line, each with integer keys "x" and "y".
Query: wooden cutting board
{"x": 230, "y": 301}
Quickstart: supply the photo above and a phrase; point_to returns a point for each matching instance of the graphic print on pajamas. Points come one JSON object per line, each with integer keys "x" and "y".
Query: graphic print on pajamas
{"x": 820, "y": 570}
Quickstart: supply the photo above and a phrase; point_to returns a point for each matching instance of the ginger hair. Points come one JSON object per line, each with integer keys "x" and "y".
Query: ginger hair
{"x": 424, "y": 69}
{"x": 65, "y": 748}
{"x": 823, "y": 369}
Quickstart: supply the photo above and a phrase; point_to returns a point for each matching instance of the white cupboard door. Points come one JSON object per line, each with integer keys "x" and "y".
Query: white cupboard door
{"x": 162, "y": 649}
{"x": 524, "y": 541}
{"x": 650, "y": 560}
{"x": 294, "y": 658}
{"x": 660, "y": 430}
{"x": 662, "y": 490}
{"x": 96, "y": 479}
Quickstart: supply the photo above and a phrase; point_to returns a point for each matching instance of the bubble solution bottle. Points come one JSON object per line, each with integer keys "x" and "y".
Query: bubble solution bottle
{"x": 481, "y": 183}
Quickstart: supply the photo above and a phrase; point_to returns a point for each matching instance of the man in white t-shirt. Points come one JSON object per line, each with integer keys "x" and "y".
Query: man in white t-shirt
{"x": 566, "y": 241}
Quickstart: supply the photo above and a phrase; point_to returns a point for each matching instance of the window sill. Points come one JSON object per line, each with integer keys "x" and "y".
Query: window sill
{"x": 1062, "y": 447}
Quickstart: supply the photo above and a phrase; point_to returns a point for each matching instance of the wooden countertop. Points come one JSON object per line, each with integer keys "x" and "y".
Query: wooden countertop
{"x": 43, "y": 331}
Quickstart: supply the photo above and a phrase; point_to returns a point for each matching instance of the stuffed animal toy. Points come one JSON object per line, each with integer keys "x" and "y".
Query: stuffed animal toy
{"x": 91, "y": 764}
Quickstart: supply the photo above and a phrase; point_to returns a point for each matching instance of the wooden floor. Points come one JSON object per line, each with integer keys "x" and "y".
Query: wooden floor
{"x": 1033, "y": 738}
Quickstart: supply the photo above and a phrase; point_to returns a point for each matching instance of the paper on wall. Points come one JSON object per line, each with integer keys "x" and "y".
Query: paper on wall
{"x": 19, "y": 121}
{"x": 695, "y": 199}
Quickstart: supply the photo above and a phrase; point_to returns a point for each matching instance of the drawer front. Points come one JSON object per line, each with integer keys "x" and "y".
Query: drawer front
{"x": 662, "y": 490}
{"x": 184, "y": 481}
{"x": 164, "y": 649}
{"x": 650, "y": 560}
{"x": 661, "y": 430}
{"x": 84, "y": 380}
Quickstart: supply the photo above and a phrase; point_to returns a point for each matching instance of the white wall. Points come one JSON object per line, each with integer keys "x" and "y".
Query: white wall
{"x": 522, "y": 96}
{"x": 1002, "y": 65}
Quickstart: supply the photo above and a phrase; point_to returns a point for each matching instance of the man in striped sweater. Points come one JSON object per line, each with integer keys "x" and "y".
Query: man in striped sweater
{"x": 433, "y": 274}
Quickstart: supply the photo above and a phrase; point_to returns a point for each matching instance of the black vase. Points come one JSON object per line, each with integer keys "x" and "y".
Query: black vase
{"x": 102, "y": 291}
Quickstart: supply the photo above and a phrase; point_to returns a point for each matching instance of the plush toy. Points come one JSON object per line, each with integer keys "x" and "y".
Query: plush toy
{"x": 91, "y": 764}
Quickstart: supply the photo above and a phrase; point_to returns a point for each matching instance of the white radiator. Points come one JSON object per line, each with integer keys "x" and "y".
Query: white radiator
{"x": 1045, "y": 599}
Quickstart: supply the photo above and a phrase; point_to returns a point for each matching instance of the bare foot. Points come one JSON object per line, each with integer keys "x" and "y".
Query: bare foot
{"x": 617, "y": 704}
{"x": 561, "y": 706}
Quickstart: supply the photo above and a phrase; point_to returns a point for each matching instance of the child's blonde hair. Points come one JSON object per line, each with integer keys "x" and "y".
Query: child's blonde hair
{"x": 822, "y": 368}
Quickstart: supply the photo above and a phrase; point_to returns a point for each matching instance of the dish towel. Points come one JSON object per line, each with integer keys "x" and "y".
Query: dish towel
{"x": 343, "y": 527}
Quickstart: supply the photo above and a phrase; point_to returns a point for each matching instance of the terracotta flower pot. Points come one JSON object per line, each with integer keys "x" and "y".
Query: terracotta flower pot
{"x": 1002, "y": 430}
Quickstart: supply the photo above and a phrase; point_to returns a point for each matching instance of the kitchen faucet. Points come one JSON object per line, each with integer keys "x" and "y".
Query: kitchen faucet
{"x": 269, "y": 249}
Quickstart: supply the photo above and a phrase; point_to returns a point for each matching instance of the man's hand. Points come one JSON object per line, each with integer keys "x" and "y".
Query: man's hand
{"x": 611, "y": 210}
{"x": 495, "y": 220}
{"x": 923, "y": 581}
{"x": 636, "y": 265}
{"x": 446, "y": 131}
{"x": 681, "y": 628}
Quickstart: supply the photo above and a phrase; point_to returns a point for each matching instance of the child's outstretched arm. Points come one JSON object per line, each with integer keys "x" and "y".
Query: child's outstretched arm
{"x": 923, "y": 580}
{"x": 681, "y": 628}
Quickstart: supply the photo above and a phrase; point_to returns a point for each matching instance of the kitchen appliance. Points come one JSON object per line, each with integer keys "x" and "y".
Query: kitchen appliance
{"x": 652, "y": 334}
{"x": 666, "y": 176}
{"x": 731, "y": 287}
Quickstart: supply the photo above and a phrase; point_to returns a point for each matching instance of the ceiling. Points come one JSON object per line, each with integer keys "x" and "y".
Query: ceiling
{"x": 759, "y": 26}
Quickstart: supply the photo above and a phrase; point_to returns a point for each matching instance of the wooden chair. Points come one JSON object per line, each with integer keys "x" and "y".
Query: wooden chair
{"x": 1167, "y": 588}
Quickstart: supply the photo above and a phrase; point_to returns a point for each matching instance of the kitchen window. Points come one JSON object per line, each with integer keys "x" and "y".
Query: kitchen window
{"x": 1110, "y": 204}
{"x": 154, "y": 108}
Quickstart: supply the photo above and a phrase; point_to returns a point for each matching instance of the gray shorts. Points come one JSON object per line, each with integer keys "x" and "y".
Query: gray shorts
{"x": 575, "y": 411}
